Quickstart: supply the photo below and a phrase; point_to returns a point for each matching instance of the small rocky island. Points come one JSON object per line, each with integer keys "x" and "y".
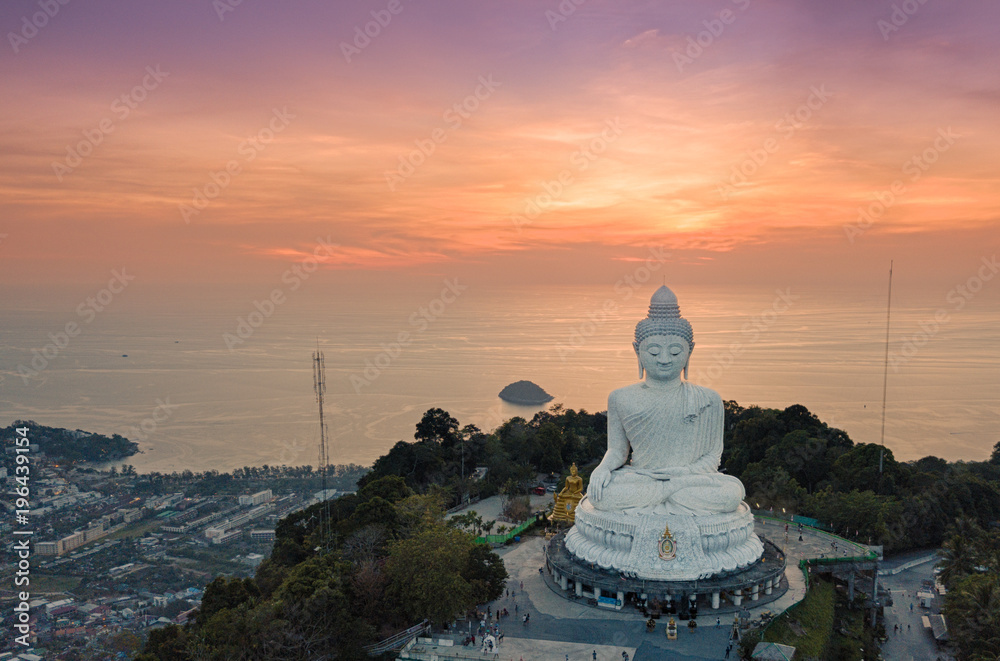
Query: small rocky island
{"x": 525, "y": 393}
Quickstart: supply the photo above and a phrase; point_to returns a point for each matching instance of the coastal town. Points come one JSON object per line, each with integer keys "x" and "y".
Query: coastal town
{"x": 115, "y": 554}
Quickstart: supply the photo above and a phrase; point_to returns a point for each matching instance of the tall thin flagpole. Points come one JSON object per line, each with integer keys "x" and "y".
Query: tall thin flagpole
{"x": 885, "y": 371}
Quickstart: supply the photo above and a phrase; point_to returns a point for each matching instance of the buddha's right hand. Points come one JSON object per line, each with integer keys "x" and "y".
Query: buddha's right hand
{"x": 598, "y": 480}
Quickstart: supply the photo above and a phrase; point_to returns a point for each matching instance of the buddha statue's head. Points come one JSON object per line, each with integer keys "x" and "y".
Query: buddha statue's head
{"x": 663, "y": 357}
{"x": 664, "y": 339}
{"x": 572, "y": 470}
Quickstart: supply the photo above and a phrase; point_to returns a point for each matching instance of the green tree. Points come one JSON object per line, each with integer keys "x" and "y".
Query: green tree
{"x": 931, "y": 464}
{"x": 471, "y": 522}
{"x": 972, "y": 609}
{"x": 485, "y": 572}
{"x": 771, "y": 486}
{"x": 548, "y": 449}
{"x": 860, "y": 515}
{"x": 515, "y": 504}
{"x": 502, "y": 466}
{"x": 960, "y": 553}
{"x": 391, "y": 487}
{"x": 167, "y": 644}
{"x": 417, "y": 463}
{"x": 376, "y": 511}
{"x": 858, "y": 469}
{"x": 752, "y": 433}
{"x": 368, "y": 585}
{"x": 438, "y": 426}
{"x": 315, "y": 613}
{"x": 802, "y": 456}
{"x": 418, "y": 512}
{"x": 226, "y": 593}
{"x": 125, "y": 642}
{"x": 515, "y": 439}
{"x": 799, "y": 417}
{"x": 426, "y": 574}
{"x": 368, "y": 544}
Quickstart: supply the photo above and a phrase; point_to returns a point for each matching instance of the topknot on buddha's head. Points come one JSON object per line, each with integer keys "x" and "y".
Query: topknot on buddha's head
{"x": 664, "y": 318}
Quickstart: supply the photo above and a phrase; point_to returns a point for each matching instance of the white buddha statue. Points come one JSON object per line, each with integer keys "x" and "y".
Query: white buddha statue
{"x": 657, "y": 506}
{"x": 672, "y": 428}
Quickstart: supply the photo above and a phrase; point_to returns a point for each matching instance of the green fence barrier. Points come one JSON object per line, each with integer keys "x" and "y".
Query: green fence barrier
{"x": 502, "y": 539}
{"x": 804, "y": 520}
{"x": 812, "y": 523}
{"x": 805, "y": 562}
{"x": 871, "y": 555}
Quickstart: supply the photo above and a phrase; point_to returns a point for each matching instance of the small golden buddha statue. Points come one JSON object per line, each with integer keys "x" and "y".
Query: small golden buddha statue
{"x": 566, "y": 500}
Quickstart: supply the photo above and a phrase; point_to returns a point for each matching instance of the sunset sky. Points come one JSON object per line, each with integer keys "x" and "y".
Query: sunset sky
{"x": 599, "y": 130}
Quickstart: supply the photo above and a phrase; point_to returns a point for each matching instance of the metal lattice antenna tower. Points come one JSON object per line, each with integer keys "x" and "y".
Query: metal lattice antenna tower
{"x": 885, "y": 371}
{"x": 319, "y": 385}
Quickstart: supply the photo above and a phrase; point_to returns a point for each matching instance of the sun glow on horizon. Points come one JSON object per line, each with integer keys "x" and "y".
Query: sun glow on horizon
{"x": 589, "y": 135}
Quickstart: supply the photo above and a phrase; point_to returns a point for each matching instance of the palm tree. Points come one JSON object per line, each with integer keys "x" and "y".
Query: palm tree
{"x": 958, "y": 559}
{"x": 989, "y": 553}
{"x": 967, "y": 527}
{"x": 973, "y": 612}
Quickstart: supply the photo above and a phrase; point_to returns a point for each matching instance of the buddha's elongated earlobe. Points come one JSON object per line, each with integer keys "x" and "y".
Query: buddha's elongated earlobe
{"x": 686, "y": 368}
{"x": 642, "y": 372}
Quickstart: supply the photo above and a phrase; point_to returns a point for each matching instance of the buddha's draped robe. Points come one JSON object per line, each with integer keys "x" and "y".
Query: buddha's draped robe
{"x": 675, "y": 436}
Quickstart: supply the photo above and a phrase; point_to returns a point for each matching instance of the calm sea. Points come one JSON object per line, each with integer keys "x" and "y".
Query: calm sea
{"x": 192, "y": 403}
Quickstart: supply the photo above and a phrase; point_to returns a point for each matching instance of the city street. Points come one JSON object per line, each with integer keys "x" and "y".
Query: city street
{"x": 912, "y": 642}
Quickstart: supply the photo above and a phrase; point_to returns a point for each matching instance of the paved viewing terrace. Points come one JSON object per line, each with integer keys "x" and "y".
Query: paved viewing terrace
{"x": 575, "y": 628}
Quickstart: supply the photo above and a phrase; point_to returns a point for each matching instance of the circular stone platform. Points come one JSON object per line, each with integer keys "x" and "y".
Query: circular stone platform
{"x": 727, "y": 592}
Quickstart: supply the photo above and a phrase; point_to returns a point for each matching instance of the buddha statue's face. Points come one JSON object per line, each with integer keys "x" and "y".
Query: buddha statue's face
{"x": 663, "y": 357}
